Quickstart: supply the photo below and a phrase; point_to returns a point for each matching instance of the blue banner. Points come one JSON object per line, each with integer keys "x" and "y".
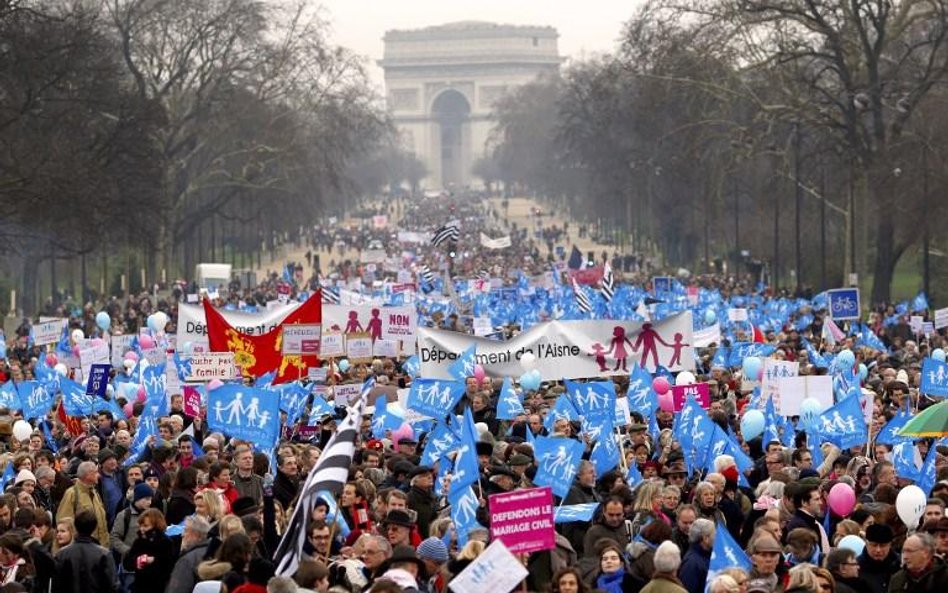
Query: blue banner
{"x": 245, "y": 413}
{"x": 509, "y": 405}
{"x": 844, "y": 424}
{"x": 35, "y": 398}
{"x": 934, "y": 378}
{"x": 557, "y": 460}
{"x": 434, "y": 397}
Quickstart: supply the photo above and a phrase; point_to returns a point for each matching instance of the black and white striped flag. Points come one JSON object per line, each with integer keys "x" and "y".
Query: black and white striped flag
{"x": 426, "y": 275}
{"x": 451, "y": 231}
{"x": 330, "y": 295}
{"x": 330, "y": 474}
{"x": 582, "y": 299}
{"x": 607, "y": 288}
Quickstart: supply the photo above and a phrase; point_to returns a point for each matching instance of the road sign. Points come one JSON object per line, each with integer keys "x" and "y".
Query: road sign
{"x": 843, "y": 304}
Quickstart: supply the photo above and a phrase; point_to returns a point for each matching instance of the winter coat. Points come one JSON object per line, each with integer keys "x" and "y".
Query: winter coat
{"x": 664, "y": 583}
{"x": 152, "y": 577}
{"x": 85, "y": 567}
{"x": 599, "y": 531}
{"x": 876, "y": 574}
{"x": 934, "y": 579}
{"x": 694, "y": 567}
{"x": 184, "y": 576}
{"x": 180, "y": 506}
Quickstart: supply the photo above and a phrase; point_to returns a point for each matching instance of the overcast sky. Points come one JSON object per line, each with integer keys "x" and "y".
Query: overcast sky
{"x": 585, "y": 26}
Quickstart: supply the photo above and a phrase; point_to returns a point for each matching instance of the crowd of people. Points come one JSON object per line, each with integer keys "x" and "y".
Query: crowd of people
{"x": 197, "y": 510}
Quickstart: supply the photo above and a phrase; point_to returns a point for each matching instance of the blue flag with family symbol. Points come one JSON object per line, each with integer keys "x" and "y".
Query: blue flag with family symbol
{"x": 926, "y": 474}
{"x": 466, "y": 466}
{"x": 463, "y": 367}
{"x": 9, "y": 398}
{"x": 509, "y": 405}
{"x": 903, "y": 458}
{"x": 844, "y": 424}
{"x": 412, "y": 366}
{"x": 934, "y": 378}
{"x": 642, "y": 398}
{"x": 557, "y": 462}
{"x": 605, "y": 453}
{"x": 35, "y": 398}
{"x": 725, "y": 553}
{"x": 383, "y": 420}
{"x": 464, "y": 505}
{"x": 563, "y": 409}
{"x": 434, "y": 397}
{"x": 155, "y": 384}
{"x": 441, "y": 440}
{"x": 889, "y": 435}
{"x": 245, "y": 413}
{"x": 595, "y": 400}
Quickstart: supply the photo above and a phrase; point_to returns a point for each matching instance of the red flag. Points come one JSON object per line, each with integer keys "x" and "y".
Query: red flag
{"x": 258, "y": 355}
{"x": 72, "y": 423}
{"x": 758, "y": 335}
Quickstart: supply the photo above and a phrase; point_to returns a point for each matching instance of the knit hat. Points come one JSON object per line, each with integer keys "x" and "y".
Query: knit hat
{"x": 142, "y": 490}
{"x": 106, "y": 454}
{"x": 23, "y": 476}
{"x": 433, "y": 549}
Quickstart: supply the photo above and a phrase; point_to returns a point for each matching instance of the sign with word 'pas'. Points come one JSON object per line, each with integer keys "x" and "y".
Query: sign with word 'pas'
{"x": 843, "y": 303}
{"x": 301, "y": 339}
{"x": 212, "y": 365}
{"x": 523, "y": 520}
{"x": 701, "y": 392}
{"x": 495, "y": 570}
{"x": 47, "y": 332}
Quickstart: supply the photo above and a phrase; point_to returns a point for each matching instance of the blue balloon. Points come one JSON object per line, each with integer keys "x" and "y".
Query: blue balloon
{"x": 710, "y": 318}
{"x": 752, "y": 424}
{"x": 863, "y": 371}
{"x": 530, "y": 381}
{"x": 938, "y": 354}
{"x": 751, "y": 367}
{"x": 810, "y": 408}
{"x": 846, "y": 359}
{"x": 854, "y": 543}
{"x": 343, "y": 365}
{"x": 103, "y": 320}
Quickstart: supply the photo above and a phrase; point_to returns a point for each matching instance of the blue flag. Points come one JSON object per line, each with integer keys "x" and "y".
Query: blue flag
{"x": 464, "y": 505}
{"x": 595, "y": 401}
{"x": 245, "y": 413}
{"x": 642, "y": 398}
{"x": 920, "y": 302}
{"x": 35, "y": 398}
{"x": 50, "y": 441}
{"x": 434, "y": 397}
{"x": 725, "y": 554}
{"x": 412, "y": 366}
{"x": 934, "y": 378}
{"x": 558, "y": 460}
{"x": 75, "y": 399}
{"x": 926, "y": 475}
{"x": 903, "y": 458}
{"x": 633, "y": 477}
{"x": 440, "y": 441}
{"x": 8, "y": 474}
{"x": 605, "y": 453}
{"x": 463, "y": 367}
{"x": 383, "y": 420}
{"x": 9, "y": 398}
{"x": 332, "y": 513}
{"x": 466, "y": 466}
{"x": 182, "y": 366}
{"x": 509, "y": 405}
{"x": 265, "y": 380}
{"x": 815, "y": 357}
{"x": 147, "y": 426}
{"x": 844, "y": 424}
{"x": 575, "y": 513}
{"x": 320, "y": 407}
{"x": 889, "y": 435}
{"x": 154, "y": 382}
{"x": 562, "y": 409}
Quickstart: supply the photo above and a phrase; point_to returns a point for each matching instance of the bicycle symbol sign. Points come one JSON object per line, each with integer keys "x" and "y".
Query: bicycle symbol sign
{"x": 843, "y": 304}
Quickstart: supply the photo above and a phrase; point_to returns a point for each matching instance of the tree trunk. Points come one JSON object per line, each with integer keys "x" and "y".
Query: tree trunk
{"x": 886, "y": 258}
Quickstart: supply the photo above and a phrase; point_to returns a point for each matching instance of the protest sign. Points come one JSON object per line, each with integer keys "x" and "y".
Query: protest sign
{"x": 483, "y": 326}
{"x": 380, "y": 221}
{"x": 623, "y": 413}
{"x": 843, "y": 304}
{"x": 93, "y": 352}
{"x": 48, "y": 332}
{"x": 212, "y": 365}
{"x": 568, "y": 349}
{"x": 495, "y": 570}
{"x": 192, "y": 401}
{"x": 98, "y": 379}
{"x": 707, "y": 336}
{"x": 317, "y": 374}
{"x": 359, "y": 347}
{"x": 661, "y": 284}
{"x": 120, "y": 345}
{"x": 344, "y": 395}
{"x": 773, "y": 371}
{"x": 523, "y": 520}
{"x": 915, "y": 323}
{"x": 934, "y": 378}
{"x": 332, "y": 344}
{"x": 941, "y": 318}
{"x": 793, "y": 390}
{"x": 385, "y": 348}
{"x": 701, "y": 392}
{"x": 390, "y": 323}
{"x": 499, "y": 243}
{"x": 737, "y": 315}
{"x": 192, "y": 323}
{"x": 301, "y": 339}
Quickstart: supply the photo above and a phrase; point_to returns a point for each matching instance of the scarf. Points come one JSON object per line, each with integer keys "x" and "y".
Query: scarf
{"x": 612, "y": 582}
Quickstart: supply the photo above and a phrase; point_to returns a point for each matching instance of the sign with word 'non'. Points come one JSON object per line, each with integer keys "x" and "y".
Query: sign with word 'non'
{"x": 212, "y": 365}
{"x": 523, "y": 520}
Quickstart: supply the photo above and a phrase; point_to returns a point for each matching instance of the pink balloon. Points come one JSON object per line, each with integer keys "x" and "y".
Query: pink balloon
{"x": 479, "y": 373}
{"x": 97, "y": 342}
{"x": 75, "y": 350}
{"x": 402, "y": 432}
{"x": 142, "y": 394}
{"x": 130, "y": 355}
{"x": 760, "y": 373}
{"x": 128, "y": 410}
{"x": 666, "y": 401}
{"x": 214, "y": 384}
{"x": 841, "y": 499}
{"x": 51, "y": 359}
{"x": 661, "y": 385}
{"x": 146, "y": 342}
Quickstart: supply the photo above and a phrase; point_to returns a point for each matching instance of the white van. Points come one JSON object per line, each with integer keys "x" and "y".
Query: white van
{"x": 212, "y": 277}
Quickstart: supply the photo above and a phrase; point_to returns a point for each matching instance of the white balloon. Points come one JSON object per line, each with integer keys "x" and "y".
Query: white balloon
{"x": 61, "y": 369}
{"x": 162, "y": 319}
{"x": 686, "y": 378}
{"x": 22, "y": 430}
{"x": 528, "y": 361}
{"x": 77, "y": 335}
{"x": 128, "y": 364}
{"x": 910, "y": 504}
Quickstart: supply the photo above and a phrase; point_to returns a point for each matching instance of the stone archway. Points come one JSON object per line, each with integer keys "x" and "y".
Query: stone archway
{"x": 451, "y": 111}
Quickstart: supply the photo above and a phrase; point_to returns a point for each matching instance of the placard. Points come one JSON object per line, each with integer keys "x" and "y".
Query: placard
{"x": 344, "y": 395}
{"x": 48, "y": 332}
{"x": 773, "y": 371}
{"x": 192, "y": 401}
{"x": 120, "y": 345}
{"x": 941, "y": 318}
{"x": 212, "y": 365}
{"x": 915, "y": 322}
{"x": 701, "y": 392}
{"x": 385, "y": 348}
{"x": 317, "y": 374}
{"x": 843, "y": 304}
{"x": 359, "y": 347}
{"x": 523, "y": 520}
{"x": 661, "y": 284}
{"x": 332, "y": 344}
{"x": 495, "y": 570}
{"x": 172, "y": 381}
{"x": 301, "y": 339}
{"x": 98, "y": 379}
{"x": 483, "y": 326}
{"x": 737, "y": 314}
{"x": 93, "y": 353}
{"x": 793, "y": 390}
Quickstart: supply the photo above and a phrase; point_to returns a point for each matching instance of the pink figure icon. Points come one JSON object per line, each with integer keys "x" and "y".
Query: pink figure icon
{"x": 678, "y": 347}
{"x": 374, "y": 326}
{"x": 599, "y": 351}
{"x": 647, "y": 338}
{"x": 617, "y": 347}
{"x": 353, "y": 325}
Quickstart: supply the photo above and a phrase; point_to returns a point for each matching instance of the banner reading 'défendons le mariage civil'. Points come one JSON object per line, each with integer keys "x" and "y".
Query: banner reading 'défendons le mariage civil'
{"x": 568, "y": 349}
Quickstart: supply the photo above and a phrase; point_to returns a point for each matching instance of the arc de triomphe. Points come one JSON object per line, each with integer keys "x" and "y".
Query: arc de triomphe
{"x": 442, "y": 82}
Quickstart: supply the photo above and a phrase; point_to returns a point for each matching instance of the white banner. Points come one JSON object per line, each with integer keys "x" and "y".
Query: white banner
{"x": 568, "y": 349}
{"x": 707, "y": 336}
{"x": 413, "y": 237}
{"x": 192, "y": 325}
{"x": 388, "y": 323}
{"x": 498, "y": 243}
